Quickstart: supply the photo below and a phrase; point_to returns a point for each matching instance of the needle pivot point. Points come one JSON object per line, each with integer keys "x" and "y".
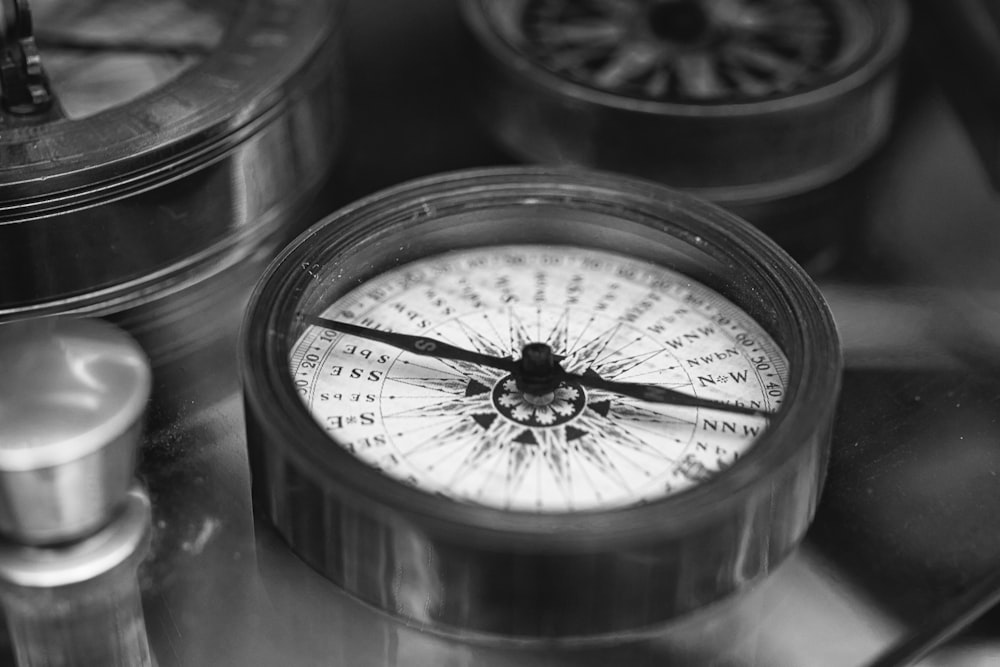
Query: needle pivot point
{"x": 538, "y": 372}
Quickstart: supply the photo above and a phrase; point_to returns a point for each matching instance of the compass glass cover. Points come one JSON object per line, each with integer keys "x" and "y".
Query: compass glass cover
{"x": 99, "y": 54}
{"x": 467, "y": 432}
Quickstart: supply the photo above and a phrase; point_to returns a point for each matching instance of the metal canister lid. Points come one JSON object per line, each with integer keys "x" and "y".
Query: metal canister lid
{"x": 72, "y": 396}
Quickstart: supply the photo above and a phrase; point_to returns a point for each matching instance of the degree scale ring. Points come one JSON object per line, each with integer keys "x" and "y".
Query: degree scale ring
{"x": 341, "y": 480}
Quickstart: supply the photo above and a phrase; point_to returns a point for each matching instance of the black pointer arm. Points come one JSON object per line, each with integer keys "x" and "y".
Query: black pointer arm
{"x": 655, "y": 394}
{"x": 430, "y": 347}
{"x": 427, "y": 347}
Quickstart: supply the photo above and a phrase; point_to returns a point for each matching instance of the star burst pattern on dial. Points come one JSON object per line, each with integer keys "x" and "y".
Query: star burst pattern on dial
{"x": 587, "y": 445}
{"x": 467, "y": 432}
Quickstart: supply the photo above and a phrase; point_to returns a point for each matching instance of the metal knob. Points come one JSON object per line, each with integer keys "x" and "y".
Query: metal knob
{"x": 72, "y": 396}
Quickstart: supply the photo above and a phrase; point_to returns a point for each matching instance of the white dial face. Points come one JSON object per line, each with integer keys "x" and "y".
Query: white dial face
{"x": 467, "y": 432}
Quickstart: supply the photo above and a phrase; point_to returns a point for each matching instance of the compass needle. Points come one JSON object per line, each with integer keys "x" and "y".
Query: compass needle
{"x": 537, "y": 377}
{"x": 436, "y": 348}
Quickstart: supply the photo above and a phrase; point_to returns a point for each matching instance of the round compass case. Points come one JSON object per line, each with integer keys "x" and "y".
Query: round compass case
{"x": 538, "y": 403}
{"x": 742, "y": 102}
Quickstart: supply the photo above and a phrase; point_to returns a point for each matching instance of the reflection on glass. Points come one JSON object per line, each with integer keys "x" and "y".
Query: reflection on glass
{"x": 103, "y": 53}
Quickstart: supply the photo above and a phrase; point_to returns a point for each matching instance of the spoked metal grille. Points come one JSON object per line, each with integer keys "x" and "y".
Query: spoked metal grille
{"x": 701, "y": 51}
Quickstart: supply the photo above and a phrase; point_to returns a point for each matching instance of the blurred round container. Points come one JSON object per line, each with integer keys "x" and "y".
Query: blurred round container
{"x": 191, "y": 143}
{"x": 761, "y": 106}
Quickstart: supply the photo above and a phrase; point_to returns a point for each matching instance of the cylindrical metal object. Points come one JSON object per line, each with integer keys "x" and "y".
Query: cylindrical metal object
{"x": 79, "y": 605}
{"x": 72, "y": 396}
{"x": 739, "y": 102}
{"x": 204, "y": 167}
{"x": 195, "y": 140}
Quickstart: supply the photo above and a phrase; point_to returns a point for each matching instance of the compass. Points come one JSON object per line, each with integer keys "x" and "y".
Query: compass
{"x": 740, "y": 101}
{"x": 154, "y": 155}
{"x": 538, "y": 402}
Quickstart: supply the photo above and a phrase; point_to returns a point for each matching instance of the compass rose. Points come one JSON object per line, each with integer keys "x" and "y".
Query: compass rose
{"x": 497, "y": 424}
{"x": 553, "y": 408}
{"x": 526, "y": 402}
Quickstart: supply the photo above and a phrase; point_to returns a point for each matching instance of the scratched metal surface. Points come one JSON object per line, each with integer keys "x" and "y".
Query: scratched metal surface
{"x": 913, "y": 478}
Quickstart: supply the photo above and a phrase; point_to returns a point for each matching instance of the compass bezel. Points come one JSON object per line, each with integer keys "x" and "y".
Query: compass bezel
{"x": 308, "y": 487}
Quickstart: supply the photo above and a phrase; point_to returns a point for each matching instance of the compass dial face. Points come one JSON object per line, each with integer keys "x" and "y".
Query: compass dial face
{"x": 468, "y": 433}
{"x": 685, "y": 50}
